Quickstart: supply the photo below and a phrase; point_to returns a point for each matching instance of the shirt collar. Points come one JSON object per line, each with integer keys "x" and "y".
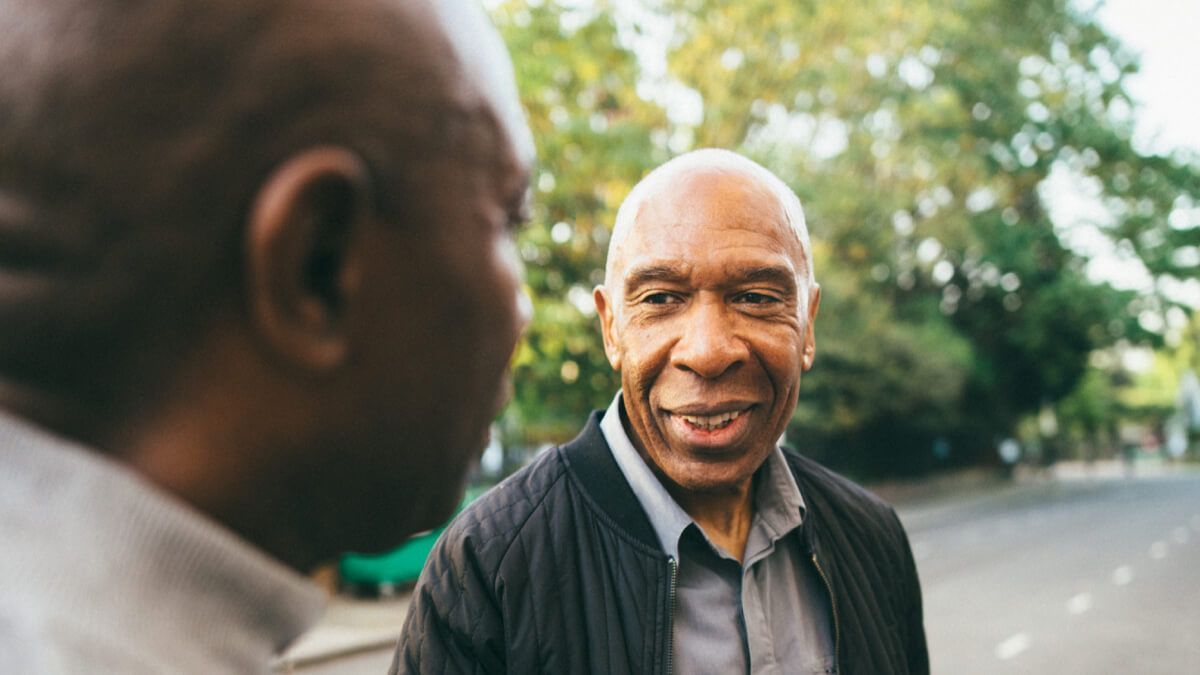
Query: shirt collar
{"x": 666, "y": 517}
{"x": 778, "y": 504}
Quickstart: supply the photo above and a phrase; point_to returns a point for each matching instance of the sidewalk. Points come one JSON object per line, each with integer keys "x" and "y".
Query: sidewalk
{"x": 355, "y": 636}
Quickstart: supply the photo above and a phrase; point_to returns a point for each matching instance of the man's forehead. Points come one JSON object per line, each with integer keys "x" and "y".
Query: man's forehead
{"x": 701, "y": 212}
{"x": 704, "y": 195}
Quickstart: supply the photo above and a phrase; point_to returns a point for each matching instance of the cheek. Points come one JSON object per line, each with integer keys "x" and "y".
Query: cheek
{"x": 643, "y": 355}
{"x": 782, "y": 352}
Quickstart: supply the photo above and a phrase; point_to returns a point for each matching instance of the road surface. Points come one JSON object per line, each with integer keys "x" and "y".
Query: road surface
{"x": 1090, "y": 575}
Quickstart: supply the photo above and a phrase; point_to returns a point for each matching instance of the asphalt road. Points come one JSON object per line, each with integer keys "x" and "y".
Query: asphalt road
{"x": 1085, "y": 575}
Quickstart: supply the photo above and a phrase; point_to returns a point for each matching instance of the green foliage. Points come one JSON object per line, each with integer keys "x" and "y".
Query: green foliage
{"x": 920, "y": 136}
{"x": 593, "y": 135}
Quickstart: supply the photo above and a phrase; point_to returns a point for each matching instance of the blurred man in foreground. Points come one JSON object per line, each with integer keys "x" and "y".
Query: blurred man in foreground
{"x": 674, "y": 535}
{"x": 257, "y": 297}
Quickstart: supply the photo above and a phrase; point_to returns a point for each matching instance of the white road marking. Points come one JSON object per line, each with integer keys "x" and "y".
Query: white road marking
{"x": 1079, "y": 603}
{"x": 1122, "y": 575}
{"x": 1158, "y": 550}
{"x": 1180, "y": 535}
{"x": 1013, "y": 646}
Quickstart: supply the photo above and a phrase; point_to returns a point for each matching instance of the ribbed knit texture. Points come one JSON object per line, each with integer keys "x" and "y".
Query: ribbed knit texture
{"x": 102, "y": 572}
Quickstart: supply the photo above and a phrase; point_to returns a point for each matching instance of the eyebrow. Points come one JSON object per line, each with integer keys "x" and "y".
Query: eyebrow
{"x": 666, "y": 273}
{"x": 772, "y": 274}
{"x": 640, "y": 276}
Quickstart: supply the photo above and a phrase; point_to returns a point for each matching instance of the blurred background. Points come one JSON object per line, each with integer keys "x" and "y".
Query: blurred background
{"x": 1005, "y": 251}
{"x": 1004, "y": 200}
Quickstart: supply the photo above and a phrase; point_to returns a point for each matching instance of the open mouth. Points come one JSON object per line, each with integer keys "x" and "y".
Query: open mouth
{"x": 712, "y": 422}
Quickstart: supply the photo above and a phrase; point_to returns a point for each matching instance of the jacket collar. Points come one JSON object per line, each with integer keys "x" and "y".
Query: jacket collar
{"x": 590, "y": 462}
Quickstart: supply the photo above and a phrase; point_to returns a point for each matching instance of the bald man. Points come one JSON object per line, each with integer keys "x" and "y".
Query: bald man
{"x": 674, "y": 534}
{"x": 257, "y": 298}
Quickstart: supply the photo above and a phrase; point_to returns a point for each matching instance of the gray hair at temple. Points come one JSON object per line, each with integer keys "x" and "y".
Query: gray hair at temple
{"x": 709, "y": 159}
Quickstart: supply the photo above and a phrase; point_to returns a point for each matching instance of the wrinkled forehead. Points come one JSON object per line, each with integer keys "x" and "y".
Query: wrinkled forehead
{"x": 485, "y": 61}
{"x": 678, "y": 213}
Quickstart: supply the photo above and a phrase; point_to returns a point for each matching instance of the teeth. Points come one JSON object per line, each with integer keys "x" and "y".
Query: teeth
{"x": 710, "y": 422}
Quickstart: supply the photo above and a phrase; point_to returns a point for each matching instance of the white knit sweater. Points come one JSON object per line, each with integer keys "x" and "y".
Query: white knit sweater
{"x": 101, "y": 572}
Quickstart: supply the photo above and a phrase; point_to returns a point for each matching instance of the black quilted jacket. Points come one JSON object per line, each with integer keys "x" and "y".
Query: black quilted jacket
{"x": 558, "y": 570}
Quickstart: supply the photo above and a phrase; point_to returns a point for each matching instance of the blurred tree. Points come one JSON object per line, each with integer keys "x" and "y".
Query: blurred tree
{"x": 922, "y": 137}
{"x": 1088, "y": 415}
{"x": 595, "y": 140}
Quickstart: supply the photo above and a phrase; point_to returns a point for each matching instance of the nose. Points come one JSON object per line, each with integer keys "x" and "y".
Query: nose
{"x": 708, "y": 347}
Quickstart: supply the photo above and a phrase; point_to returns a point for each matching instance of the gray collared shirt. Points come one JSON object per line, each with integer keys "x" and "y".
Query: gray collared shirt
{"x": 769, "y": 614}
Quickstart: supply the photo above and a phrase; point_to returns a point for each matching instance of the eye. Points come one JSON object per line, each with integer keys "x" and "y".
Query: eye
{"x": 518, "y": 212}
{"x": 513, "y": 226}
{"x": 659, "y": 298}
{"x": 753, "y": 298}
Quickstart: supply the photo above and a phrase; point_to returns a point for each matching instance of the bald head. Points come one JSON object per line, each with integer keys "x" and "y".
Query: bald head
{"x": 667, "y": 182}
{"x": 134, "y": 137}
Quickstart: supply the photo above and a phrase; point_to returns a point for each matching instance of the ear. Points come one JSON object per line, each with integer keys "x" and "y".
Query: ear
{"x": 604, "y": 310}
{"x": 810, "y": 340}
{"x": 300, "y": 269}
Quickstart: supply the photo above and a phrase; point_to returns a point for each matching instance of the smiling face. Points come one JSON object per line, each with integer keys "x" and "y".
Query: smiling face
{"x": 707, "y": 314}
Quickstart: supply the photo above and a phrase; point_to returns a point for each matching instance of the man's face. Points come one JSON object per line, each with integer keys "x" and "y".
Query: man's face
{"x": 447, "y": 309}
{"x": 438, "y": 304}
{"x": 709, "y": 321}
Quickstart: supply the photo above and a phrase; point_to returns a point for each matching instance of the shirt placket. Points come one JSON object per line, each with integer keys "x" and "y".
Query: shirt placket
{"x": 759, "y": 636}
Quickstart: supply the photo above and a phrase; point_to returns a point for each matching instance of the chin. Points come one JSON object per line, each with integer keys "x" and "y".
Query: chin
{"x": 701, "y": 476}
{"x": 442, "y": 508}
{"x": 702, "y": 484}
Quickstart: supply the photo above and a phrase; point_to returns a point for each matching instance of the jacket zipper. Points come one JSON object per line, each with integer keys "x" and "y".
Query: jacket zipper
{"x": 837, "y": 631}
{"x": 674, "y": 565}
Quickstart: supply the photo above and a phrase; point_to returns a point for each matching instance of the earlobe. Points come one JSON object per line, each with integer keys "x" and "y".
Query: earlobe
{"x": 605, "y": 311}
{"x": 301, "y": 269}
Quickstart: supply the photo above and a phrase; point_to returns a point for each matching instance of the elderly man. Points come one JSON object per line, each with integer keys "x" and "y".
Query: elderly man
{"x": 257, "y": 298}
{"x": 673, "y": 535}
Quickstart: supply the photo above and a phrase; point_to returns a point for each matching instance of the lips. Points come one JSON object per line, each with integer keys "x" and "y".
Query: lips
{"x": 714, "y": 428}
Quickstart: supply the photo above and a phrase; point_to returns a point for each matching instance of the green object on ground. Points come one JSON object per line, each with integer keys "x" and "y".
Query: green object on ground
{"x": 389, "y": 573}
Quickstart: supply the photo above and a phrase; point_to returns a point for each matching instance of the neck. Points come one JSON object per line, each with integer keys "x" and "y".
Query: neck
{"x": 725, "y": 515}
{"x": 73, "y": 419}
{"x": 194, "y": 462}
{"x": 225, "y": 471}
